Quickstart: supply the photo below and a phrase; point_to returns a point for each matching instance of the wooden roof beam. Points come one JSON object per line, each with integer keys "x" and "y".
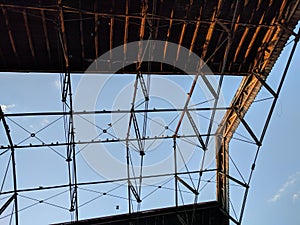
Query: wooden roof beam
{"x": 183, "y": 30}
{"x": 196, "y": 31}
{"x": 46, "y": 33}
{"x": 142, "y": 31}
{"x": 210, "y": 31}
{"x": 253, "y": 39}
{"x": 111, "y": 33}
{"x": 180, "y": 40}
{"x": 144, "y": 17}
{"x": 194, "y": 36}
{"x": 12, "y": 42}
{"x": 259, "y": 28}
{"x": 158, "y": 21}
{"x": 168, "y": 33}
{"x": 126, "y": 29}
{"x": 62, "y": 33}
{"x": 208, "y": 38}
{"x": 111, "y": 36}
{"x": 28, "y": 34}
{"x": 241, "y": 43}
{"x": 96, "y": 30}
{"x": 81, "y": 32}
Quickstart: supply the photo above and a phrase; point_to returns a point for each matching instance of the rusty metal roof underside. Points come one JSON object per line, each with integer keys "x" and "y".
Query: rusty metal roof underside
{"x": 42, "y": 36}
{"x": 48, "y": 36}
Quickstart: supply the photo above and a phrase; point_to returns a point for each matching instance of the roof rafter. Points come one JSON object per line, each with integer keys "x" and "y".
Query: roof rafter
{"x": 96, "y": 31}
{"x": 46, "y": 33}
{"x": 81, "y": 32}
{"x": 28, "y": 33}
{"x": 10, "y": 33}
{"x": 126, "y": 28}
{"x": 62, "y": 33}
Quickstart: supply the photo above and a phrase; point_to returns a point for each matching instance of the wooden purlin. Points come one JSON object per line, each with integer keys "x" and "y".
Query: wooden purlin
{"x": 168, "y": 33}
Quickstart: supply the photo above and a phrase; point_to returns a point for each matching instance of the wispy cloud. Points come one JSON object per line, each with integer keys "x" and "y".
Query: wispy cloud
{"x": 57, "y": 84}
{"x": 6, "y": 108}
{"x": 290, "y": 182}
{"x": 45, "y": 122}
{"x": 296, "y": 196}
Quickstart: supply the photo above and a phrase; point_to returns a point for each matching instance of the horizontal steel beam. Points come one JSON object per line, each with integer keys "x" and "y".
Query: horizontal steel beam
{"x": 56, "y": 144}
{"x": 118, "y": 111}
{"x": 41, "y": 188}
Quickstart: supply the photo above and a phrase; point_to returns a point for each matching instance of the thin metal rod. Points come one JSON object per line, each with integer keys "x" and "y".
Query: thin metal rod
{"x": 128, "y": 178}
{"x": 187, "y": 103}
{"x": 6, "y": 204}
{"x": 175, "y": 171}
{"x": 56, "y": 144}
{"x": 106, "y": 181}
{"x": 154, "y": 110}
{"x": 7, "y": 131}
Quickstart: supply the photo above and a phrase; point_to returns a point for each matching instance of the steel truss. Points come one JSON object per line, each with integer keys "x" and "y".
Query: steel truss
{"x": 238, "y": 112}
{"x": 134, "y": 144}
{"x": 135, "y": 181}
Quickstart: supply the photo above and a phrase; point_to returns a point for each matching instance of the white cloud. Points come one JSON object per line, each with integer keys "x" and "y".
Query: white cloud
{"x": 6, "y": 108}
{"x": 290, "y": 182}
{"x": 296, "y": 196}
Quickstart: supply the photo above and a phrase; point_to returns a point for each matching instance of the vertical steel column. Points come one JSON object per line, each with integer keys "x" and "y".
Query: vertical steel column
{"x": 128, "y": 178}
{"x": 7, "y": 131}
{"x": 222, "y": 159}
{"x": 67, "y": 90}
{"x": 175, "y": 171}
{"x": 71, "y": 148}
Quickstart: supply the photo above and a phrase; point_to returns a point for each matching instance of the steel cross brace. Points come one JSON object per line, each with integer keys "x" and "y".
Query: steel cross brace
{"x": 11, "y": 146}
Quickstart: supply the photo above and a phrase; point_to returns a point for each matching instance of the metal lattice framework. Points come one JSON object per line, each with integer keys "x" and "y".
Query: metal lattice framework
{"x": 236, "y": 40}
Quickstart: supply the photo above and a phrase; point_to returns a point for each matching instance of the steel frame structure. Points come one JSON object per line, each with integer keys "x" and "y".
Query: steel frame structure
{"x": 235, "y": 113}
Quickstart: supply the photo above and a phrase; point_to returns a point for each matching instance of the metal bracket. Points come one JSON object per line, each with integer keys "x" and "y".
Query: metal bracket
{"x": 136, "y": 195}
{"x": 137, "y": 133}
{"x": 187, "y": 185}
{"x": 143, "y": 85}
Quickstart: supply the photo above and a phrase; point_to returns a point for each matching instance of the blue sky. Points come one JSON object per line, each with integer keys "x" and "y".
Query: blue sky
{"x": 274, "y": 196}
